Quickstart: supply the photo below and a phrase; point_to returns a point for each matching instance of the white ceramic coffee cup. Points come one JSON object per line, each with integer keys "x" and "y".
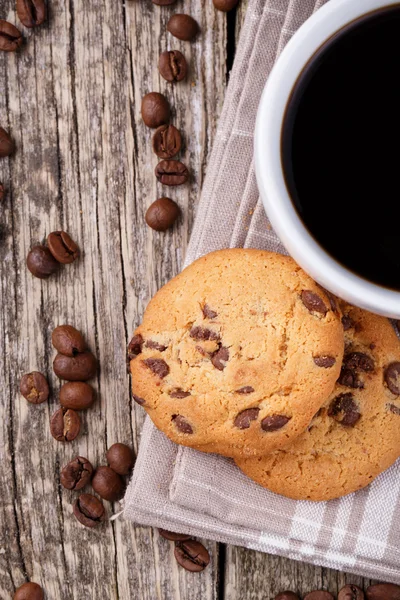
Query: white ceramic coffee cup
{"x": 300, "y": 244}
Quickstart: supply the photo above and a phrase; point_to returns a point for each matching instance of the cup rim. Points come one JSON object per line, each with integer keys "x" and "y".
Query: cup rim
{"x": 271, "y": 183}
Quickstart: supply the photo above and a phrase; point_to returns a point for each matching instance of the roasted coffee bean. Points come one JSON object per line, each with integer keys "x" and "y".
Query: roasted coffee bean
{"x": 77, "y": 395}
{"x": 89, "y": 510}
{"x": 62, "y": 247}
{"x": 392, "y": 377}
{"x": 351, "y": 592}
{"x": 182, "y": 424}
{"x": 287, "y": 596}
{"x": 344, "y": 410}
{"x": 163, "y": 2}
{"x": 68, "y": 340}
{"x": 191, "y": 555}
{"x": 220, "y": 357}
{"x": 31, "y": 12}
{"x": 29, "y": 591}
{"x": 313, "y": 302}
{"x": 247, "y": 389}
{"x": 76, "y": 474}
{"x": 108, "y": 484}
{"x": 208, "y": 312}
{"x": 179, "y": 394}
{"x": 172, "y": 65}
{"x": 324, "y": 361}
{"x": 167, "y": 141}
{"x": 65, "y": 425}
{"x": 183, "y": 27}
{"x": 162, "y": 214}
{"x": 7, "y": 145}
{"x": 383, "y": 591}
{"x": 204, "y": 334}
{"x": 172, "y": 172}
{"x": 158, "y": 366}
{"x": 120, "y": 458}
{"x": 243, "y": 419}
{"x": 155, "y": 110}
{"x": 274, "y": 422}
{"x": 10, "y": 37}
{"x": 172, "y": 536}
{"x": 34, "y": 387}
{"x": 81, "y": 367}
{"x": 319, "y": 595}
{"x": 225, "y": 5}
{"x": 41, "y": 263}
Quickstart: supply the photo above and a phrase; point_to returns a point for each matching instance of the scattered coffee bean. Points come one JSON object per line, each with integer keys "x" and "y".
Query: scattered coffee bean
{"x": 108, "y": 484}
{"x": 351, "y": 592}
{"x": 247, "y": 389}
{"x": 172, "y": 172}
{"x": 243, "y": 419}
{"x": 89, "y": 510}
{"x": 287, "y": 596}
{"x": 155, "y": 110}
{"x": 319, "y": 595}
{"x": 77, "y": 395}
{"x": 182, "y": 424}
{"x": 219, "y": 358}
{"x": 162, "y": 214}
{"x": 81, "y": 367}
{"x": 76, "y": 474}
{"x": 120, "y": 458}
{"x": 41, "y": 263}
{"x": 172, "y": 536}
{"x": 7, "y": 145}
{"x": 225, "y": 5}
{"x": 392, "y": 377}
{"x": 65, "y": 425}
{"x": 68, "y": 340}
{"x": 383, "y": 591}
{"x": 208, "y": 312}
{"x": 344, "y": 410}
{"x": 10, "y": 37}
{"x": 62, "y": 247}
{"x": 191, "y": 555}
{"x": 274, "y": 422}
{"x": 31, "y": 12}
{"x": 313, "y": 302}
{"x": 324, "y": 361}
{"x": 172, "y": 65}
{"x": 34, "y": 387}
{"x": 2, "y": 192}
{"x": 183, "y": 27}
{"x": 163, "y": 2}
{"x": 158, "y": 366}
{"x": 167, "y": 141}
{"x": 29, "y": 591}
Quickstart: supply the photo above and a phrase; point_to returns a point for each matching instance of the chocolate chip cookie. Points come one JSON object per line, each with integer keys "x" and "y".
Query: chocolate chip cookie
{"x": 237, "y": 353}
{"x": 356, "y": 434}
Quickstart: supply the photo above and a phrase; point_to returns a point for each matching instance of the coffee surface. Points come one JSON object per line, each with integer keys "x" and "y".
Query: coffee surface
{"x": 340, "y": 146}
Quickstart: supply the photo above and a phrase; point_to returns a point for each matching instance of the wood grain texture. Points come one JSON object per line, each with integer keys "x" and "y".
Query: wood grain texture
{"x": 71, "y": 99}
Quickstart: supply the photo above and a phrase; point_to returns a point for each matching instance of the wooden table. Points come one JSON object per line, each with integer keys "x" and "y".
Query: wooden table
{"x": 71, "y": 99}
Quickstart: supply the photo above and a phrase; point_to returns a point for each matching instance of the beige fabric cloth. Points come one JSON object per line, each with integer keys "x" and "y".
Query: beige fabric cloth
{"x": 206, "y": 495}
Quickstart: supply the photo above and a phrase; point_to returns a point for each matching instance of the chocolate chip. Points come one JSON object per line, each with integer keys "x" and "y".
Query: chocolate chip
{"x": 155, "y": 346}
{"x": 134, "y": 347}
{"x": 274, "y": 422}
{"x": 41, "y": 263}
{"x": 220, "y": 357}
{"x": 202, "y": 351}
{"x": 203, "y": 334}
{"x": 313, "y": 302}
{"x": 158, "y": 366}
{"x": 392, "y": 377}
{"x": 182, "y": 424}
{"x": 347, "y": 322}
{"x": 62, "y": 247}
{"x": 155, "y": 110}
{"x": 89, "y": 510}
{"x": 319, "y": 595}
{"x": 68, "y": 340}
{"x": 10, "y": 40}
{"x": 31, "y": 13}
{"x": 120, "y": 458}
{"x": 167, "y": 141}
{"x": 29, "y": 591}
{"x": 344, "y": 410}
{"x": 183, "y": 27}
{"x": 247, "y": 389}
{"x": 287, "y": 596}
{"x": 172, "y": 65}
{"x": 34, "y": 387}
{"x": 324, "y": 361}
{"x": 383, "y": 591}
{"x": 394, "y": 409}
{"x": 65, "y": 425}
{"x": 76, "y": 474}
{"x": 7, "y": 145}
{"x": 172, "y": 536}
{"x": 162, "y": 214}
{"x": 350, "y": 379}
{"x": 354, "y": 362}
{"x": 171, "y": 172}
{"x": 81, "y": 367}
{"x": 179, "y": 394}
{"x": 191, "y": 555}
{"x": 108, "y": 484}
{"x": 138, "y": 400}
{"x": 245, "y": 417}
{"x": 77, "y": 395}
{"x": 208, "y": 312}
{"x": 351, "y": 592}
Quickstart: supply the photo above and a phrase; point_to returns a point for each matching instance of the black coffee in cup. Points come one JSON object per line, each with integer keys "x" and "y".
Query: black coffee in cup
{"x": 340, "y": 146}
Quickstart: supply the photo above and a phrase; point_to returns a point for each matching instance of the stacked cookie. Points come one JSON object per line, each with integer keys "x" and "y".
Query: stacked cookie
{"x": 244, "y": 355}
